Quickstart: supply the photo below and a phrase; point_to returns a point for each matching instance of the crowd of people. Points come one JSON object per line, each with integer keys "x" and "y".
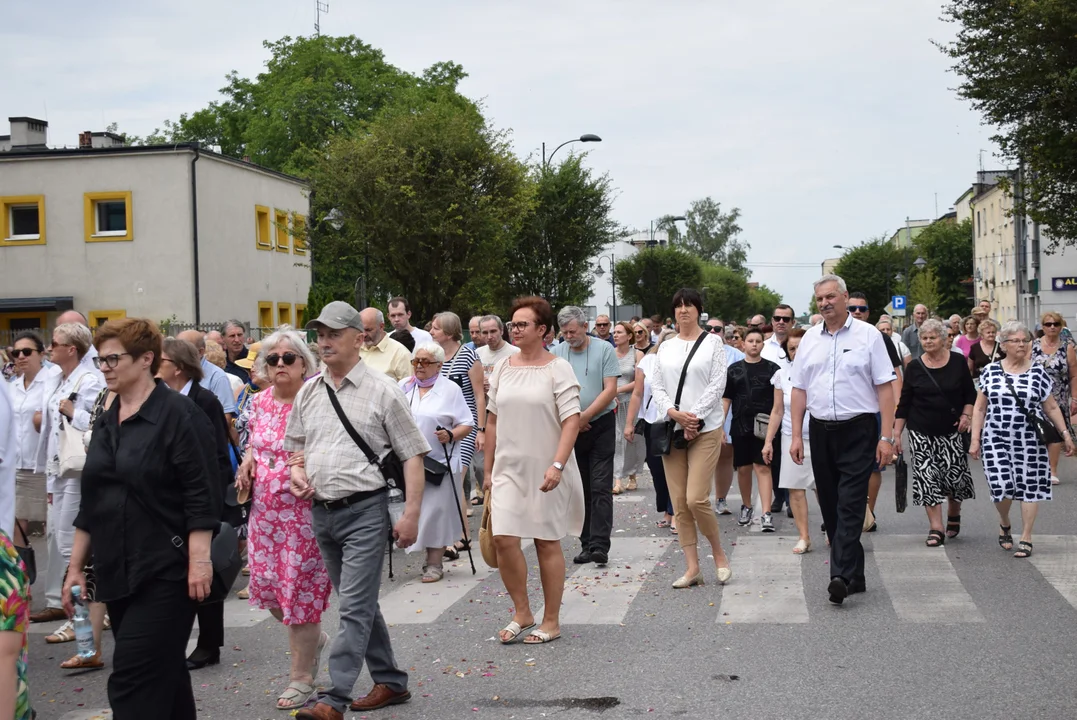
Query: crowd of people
{"x": 141, "y": 456}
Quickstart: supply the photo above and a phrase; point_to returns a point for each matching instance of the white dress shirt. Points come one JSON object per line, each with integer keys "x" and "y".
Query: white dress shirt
{"x": 772, "y": 350}
{"x": 839, "y": 372}
{"x": 703, "y": 385}
{"x": 27, "y": 401}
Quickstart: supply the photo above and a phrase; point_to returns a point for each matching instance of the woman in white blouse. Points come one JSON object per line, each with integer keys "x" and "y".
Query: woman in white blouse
{"x": 698, "y": 417}
{"x": 642, "y": 407}
{"x": 444, "y": 418}
{"x": 27, "y": 397}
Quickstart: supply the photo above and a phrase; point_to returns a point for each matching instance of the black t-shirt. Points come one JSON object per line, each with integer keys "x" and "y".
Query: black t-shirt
{"x": 748, "y": 386}
{"x": 924, "y": 408}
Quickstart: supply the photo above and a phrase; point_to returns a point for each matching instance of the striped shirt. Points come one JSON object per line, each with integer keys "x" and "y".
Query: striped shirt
{"x": 377, "y": 409}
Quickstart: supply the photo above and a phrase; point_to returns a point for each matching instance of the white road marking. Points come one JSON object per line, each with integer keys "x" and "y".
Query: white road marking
{"x": 1055, "y": 556}
{"x": 627, "y": 498}
{"x": 921, "y": 582}
{"x": 767, "y": 585}
{"x": 602, "y": 595}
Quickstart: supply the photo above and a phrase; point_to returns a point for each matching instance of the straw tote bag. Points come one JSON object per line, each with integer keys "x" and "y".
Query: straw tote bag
{"x": 486, "y": 536}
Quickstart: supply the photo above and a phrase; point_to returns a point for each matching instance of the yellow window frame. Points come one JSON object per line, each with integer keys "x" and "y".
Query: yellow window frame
{"x": 300, "y": 315}
{"x": 299, "y": 231}
{"x": 89, "y": 216}
{"x": 265, "y": 314}
{"x": 99, "y": 317}
{"x": 262, "y": 239}
{"x": 41, "y": 317}
{"x": 10, "y": 201}
{"x": 284, "y": 241}
{"x": 284, "y": 314}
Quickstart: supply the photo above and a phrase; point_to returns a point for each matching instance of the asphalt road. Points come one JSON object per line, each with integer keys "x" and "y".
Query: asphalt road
{"x": 964, "y": 631}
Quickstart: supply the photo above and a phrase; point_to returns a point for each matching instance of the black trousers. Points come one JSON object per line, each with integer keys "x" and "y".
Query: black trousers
{"x": 149, "y": 668}
{"x": 662, "y": 503}
{"x": 594, "y": 454}
{"x": 781, "y": 496}
{"x": 210, "y": 626}
{"x": 842, "y": 458}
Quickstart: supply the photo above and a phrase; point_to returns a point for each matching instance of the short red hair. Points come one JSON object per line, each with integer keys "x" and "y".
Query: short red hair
{"x": 137, "y": 335}
{"x": 539, "y": 306}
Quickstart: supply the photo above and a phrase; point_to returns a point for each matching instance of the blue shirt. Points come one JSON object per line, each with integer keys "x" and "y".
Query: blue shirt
{"x": 592, "y": 365}
{"x": 216, "y": 382}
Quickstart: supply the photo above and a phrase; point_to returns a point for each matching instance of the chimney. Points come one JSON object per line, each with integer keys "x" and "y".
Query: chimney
{"x": 84, "y": 140}
{"x": 105, "y": 140}
{"x": 28, "y": 133}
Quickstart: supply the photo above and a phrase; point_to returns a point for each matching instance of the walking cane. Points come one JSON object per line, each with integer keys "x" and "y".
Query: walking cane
{"x": 456, "y": 497}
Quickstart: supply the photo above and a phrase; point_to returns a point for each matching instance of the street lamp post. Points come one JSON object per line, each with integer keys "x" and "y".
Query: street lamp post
{"x": 587, "y": 137}
{"x": 613, "y": 284}
{"x": 675, "y": 219}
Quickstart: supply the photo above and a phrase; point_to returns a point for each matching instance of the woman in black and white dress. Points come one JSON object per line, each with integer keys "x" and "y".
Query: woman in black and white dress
{"x": 936, "y": 408}
{"x": 1013, "y": 392}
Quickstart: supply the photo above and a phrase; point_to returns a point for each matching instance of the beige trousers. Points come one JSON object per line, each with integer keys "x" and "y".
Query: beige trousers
{"x": 689, "y": 475}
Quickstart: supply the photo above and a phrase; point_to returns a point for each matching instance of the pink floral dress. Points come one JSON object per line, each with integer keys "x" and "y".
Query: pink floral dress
{"x": 287, "y": 571}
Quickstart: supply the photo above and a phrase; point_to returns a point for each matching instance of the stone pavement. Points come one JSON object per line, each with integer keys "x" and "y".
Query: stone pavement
{"x": 964, "y": 631}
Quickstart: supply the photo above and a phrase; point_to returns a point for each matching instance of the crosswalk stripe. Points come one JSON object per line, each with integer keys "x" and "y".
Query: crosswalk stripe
{"x": 768, "y": 586}
{"x": 602, "y": 596}
{"x": 416, "y": 603}
{"x": 1055, "y": 557}
{"x": 921, "y": 582}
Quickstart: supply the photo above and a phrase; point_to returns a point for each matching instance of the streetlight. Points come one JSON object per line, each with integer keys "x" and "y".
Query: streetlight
{"x": 587, "y": 137}
{"x": 674, "y": 219}
{"x": 599, "y": 272}
{"x": 336, "y": 218}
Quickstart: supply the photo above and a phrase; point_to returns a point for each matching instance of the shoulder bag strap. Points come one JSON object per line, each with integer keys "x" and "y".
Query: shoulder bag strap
{"x": 935, "y": 382}
{"x": 370, "y": 456}
{"x": 1020, "y": 403}
{"x": 684, "y": 370}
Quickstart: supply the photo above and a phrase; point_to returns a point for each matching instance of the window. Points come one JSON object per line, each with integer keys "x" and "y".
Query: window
{"x": 265, "y": 314}
{"x": 100, "y": 317}
{"x": 283, "y": 239}
{"x": 107, "y": 217}
{"x": 300, "y": 315}
{"x": 23, "y": 321}
{"x": 23, "y": 220}
{"x": 284, "y": 314}
{"x": 262, "y": 239}
{"x": 299, "y": 232}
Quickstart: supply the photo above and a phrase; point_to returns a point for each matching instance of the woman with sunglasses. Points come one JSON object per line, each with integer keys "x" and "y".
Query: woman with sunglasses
{"x": 1056, "y": 355}
{"x": 288, "y": 577}
{"x": 627, "y": 454}
{"x": 642, "y": 336}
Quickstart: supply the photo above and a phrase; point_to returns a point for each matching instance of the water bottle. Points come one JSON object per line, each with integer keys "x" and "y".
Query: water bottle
{"x": 83, "y": 626}
{"x": 396, "y": 505}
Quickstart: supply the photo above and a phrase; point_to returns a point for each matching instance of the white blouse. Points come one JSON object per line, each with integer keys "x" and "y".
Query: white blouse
{"x": 648, "y": 411}
{"x": 442, "y": 405}
{"x": 26, "y": 401}
{"x": 704, "y": 384}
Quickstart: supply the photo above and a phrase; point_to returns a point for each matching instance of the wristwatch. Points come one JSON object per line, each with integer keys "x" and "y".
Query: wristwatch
{"x": 887, "y": 440}
{"x": 560, "y": 466}
{"x": 481, "y": 429}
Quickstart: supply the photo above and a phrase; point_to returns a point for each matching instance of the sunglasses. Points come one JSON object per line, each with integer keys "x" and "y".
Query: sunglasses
{"x": 109, "y": 361}
{"x": 1046, "y": 324}
{"x": 289, "y": 358}
{"x": 602, "y": 324}
{"x": 857, "y": 308}
{"x": 781, "y": 318}
{"x": 418, "y": 362}
{"x": 715, "y": 329}
{"x": 59, "y": 344}
{"x": 24, "y": 352}
{"x": 641, "y": 332}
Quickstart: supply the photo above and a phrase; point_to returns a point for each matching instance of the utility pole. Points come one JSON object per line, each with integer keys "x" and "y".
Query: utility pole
{"x": 319, "y": 8}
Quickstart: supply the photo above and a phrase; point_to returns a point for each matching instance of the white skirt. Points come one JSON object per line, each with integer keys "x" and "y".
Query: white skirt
{"x": 793, "y": 476}
{"x": 439, "y": 517}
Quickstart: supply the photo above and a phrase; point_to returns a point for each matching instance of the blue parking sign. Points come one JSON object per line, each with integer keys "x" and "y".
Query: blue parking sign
{"x": 898, "y": 302}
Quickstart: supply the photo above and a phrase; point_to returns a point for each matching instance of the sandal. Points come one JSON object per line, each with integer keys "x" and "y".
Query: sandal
{"x": 476, "y": 501}
{"x": 461, "y": 546}
{"x": 541, "y": 637}
{"x": 632, "y": 485}
{"x": 433, "y": 573}
{"x": 617, "y": 488}
{"x": 515, "y": 631}
{"x": 84, "y": 663}
{"x": 1024, "y": 550}
{"x": 802, "y": 546}
{"x": 953, "y": 526}
{"x": 1005, "y": 540}
{"x": 65, "y": 633}
{"x": 294, "y": 696}
{"x": 662, "y": 523}
{"x": 935, "y": 538}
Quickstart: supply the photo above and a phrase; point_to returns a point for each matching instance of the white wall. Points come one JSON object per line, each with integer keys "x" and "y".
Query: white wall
{"x": 601, "y": 290}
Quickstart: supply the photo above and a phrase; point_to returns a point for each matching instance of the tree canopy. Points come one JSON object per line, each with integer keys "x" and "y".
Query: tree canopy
{"x": 947, "y": 248}
{"x": 711, "y": 234}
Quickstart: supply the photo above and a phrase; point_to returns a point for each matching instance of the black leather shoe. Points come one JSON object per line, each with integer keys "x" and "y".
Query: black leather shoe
{"x": 775, "y": 507}
{"x": 857, "y": 586}
{"x": 583, "y": 558}
{"x": 599, "y": 557}
{"x": 201, "y": 658}
{"x": 838, "y": 590}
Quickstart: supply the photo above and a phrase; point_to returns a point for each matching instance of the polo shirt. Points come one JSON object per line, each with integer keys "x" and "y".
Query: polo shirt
{"x": 216, "y": 381}
{"x": 592, "y": 365}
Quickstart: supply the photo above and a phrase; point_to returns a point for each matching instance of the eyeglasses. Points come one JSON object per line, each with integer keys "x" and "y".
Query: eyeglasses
{"x": 522, "y": 325}
{"x": 24, "y": 352}
{"x": 856, "y": 308}
{"x": 110, "y": 361}
{"x": 419, "y": 362}
{"x": 289, "y": 358}
{"x": 1017, "y": 341}
{"x": 781, "y": 318}
{"x": 602, "y": 324}
{"x": 1052, "y": 324}
{"x": 715, "y": 329}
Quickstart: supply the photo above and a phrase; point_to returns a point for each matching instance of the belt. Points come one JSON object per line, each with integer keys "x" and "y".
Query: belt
{"x": 835, "y": 424}
{"x": 352, "y": 499}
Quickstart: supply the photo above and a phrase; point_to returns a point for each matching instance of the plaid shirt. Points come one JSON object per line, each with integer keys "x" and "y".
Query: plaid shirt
{"x": 378, "y": 411}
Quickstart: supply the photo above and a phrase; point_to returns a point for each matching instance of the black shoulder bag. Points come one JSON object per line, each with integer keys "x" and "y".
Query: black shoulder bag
{"x": 1045, "y": 431}
{"x": 662, "y": 432}
{"x": 391, "y": 467}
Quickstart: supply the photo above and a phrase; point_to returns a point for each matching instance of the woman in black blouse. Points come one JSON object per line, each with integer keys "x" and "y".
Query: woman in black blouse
{"x": 150, "y": 503}
{"x": 936, "y": 407}
{"x": 986, "y": 351}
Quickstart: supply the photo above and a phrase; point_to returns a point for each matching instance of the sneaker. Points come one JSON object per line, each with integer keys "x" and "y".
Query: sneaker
{"x": 721, "y": 507}
{"x": 767, "y": 523}
{"x": 745, "y": 515}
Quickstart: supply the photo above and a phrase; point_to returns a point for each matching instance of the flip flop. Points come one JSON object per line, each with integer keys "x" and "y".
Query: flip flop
{"x": 541, "y": 637}
{"x": 515, "y": 630}
{"x": 295, "y": 696}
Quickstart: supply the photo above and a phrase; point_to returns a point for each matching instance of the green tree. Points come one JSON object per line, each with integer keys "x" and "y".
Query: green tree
{"x": 763, "y": 300}
{"x": 923, "y": 290}
{"x": 435, "y": 196}
{"x": 1018, "y": 63}
{"x": 569, "y": 224}
{"x": 870, "y": 268}
{"x": 652, "y": 276}
{"x": 711, "y": 234}
{"x": 947, "y": 248}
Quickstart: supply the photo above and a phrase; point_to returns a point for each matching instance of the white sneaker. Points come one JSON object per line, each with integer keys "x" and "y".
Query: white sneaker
{"x": 721, "y": 507}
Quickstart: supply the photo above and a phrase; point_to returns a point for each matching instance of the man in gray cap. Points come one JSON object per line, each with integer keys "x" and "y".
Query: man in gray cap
{"x": 351, "y": 505}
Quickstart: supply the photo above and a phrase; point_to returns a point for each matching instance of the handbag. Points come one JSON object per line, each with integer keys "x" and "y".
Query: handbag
{"x": 901, "y": 483}
{"x": 486, "y": 537}
{"x": 391, "y": 467}
{"x": 760, "y": 425}
{"x": 70, "y": 447}
{"x": 435, "y": 471}
{"x": 662, "y": 432}
{"x": 1045, "y": 431}
{"x": 26, "y": 553}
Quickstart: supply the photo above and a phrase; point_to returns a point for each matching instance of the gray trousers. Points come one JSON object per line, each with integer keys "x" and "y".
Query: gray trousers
{"x": 352, "y": 542}
{"x": 475, "y": 475}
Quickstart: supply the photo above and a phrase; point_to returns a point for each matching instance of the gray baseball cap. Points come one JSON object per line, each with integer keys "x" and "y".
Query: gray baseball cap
{"x": 337, "y": 315}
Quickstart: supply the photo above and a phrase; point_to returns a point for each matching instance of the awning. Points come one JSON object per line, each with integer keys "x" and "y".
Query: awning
{"x": 10, "y": 305}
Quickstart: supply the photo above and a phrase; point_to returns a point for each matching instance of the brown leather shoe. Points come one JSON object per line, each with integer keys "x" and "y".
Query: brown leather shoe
{"x": 381, "y": 696}
{"x": 48, "y": 615}
{"x": 320, "y": 711}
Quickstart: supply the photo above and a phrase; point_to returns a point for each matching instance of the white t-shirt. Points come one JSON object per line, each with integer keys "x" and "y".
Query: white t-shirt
{"x": 648, "y": 411}
{"x": 783, "y": 380}
{"x": 421, "y": 336}
{"x": 489, "y": 358}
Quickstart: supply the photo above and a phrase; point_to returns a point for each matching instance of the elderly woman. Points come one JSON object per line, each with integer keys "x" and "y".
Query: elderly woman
{"x": 1055, "y": 354}
{"x": 936, "y": 408}
{"x": 986, "y": 351}
{"x": 971, "y": 334}
{"x": 68, "y": 398}
{"x": 444, "y": 418}
{"x": 642, "y": 407}
{"x": 1014, "y": 393}
{"x": 288, "y": 577}
{"x": 153, "y": 455}
{"x": 533, "y": 484}
{"x": 27, "y": 397}
{"x": 698, "y": 418}
{"x": 886, "y": 326}
{"x": 463, "y": 367}
{"x": 627, "y": 454}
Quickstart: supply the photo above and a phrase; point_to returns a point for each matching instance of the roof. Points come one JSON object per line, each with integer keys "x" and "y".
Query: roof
{"x": 40, "y": 152}
{"x": 59, "y": 302}
{"x": 28, "y": 119}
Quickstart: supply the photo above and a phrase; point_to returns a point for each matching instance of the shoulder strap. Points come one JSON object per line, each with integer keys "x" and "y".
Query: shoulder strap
{"x": 370, "y": 456}
{"x": 1020, "y": 402}
{"x": 935, "y": 382}
{"x": 684, "y": 370}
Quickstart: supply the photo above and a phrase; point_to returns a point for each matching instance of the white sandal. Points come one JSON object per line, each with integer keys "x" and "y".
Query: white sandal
{"x": 515, "y": 631}
{"x": 296, "y": 695}
{"x": 433, "y": 573}
{"x": 802, "y": 546}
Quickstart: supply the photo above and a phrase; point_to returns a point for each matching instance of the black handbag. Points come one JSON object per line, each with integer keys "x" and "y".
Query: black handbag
{"x": 435, "y": 471}
{"x": 26, "y": 553}
{"x": 662, "y": 432}
{"x": 391, "y": 467}
{"x": 1045, "y": 431}
{"x": 901, "y": 484}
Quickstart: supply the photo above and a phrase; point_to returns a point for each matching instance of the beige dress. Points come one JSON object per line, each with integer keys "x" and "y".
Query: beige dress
{"x": 530, "y": 404}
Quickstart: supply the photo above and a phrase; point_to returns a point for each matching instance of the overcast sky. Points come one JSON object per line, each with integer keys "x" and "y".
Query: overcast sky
{"x": 826, "y": 122}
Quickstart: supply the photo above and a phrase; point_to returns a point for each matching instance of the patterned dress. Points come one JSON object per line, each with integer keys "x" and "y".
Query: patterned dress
{"x": 286, "y": 566}
{"x": 1057, "y": 367}
{"x": 1015, "y": 461}
{"x": 456, "y": 370}
{"x": 15, "y": 616}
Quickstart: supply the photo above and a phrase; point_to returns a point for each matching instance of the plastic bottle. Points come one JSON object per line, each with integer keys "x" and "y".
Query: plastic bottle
{"x": 83, "y": 626}
{"x": 396, "y": 505}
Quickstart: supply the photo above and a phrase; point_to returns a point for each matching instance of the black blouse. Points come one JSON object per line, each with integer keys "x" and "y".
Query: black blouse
{"x": 145, "y": 481}
{"x": 924, "y": 408}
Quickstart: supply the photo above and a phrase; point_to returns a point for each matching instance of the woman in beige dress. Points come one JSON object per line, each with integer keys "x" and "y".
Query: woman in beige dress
{"x": 533, "y": 417}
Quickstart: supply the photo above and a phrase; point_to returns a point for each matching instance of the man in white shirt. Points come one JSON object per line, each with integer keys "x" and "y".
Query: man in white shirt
{"x": 842, "y": 377}
{"x": 782, "y": 320}
{"x": 400, "y": 319}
